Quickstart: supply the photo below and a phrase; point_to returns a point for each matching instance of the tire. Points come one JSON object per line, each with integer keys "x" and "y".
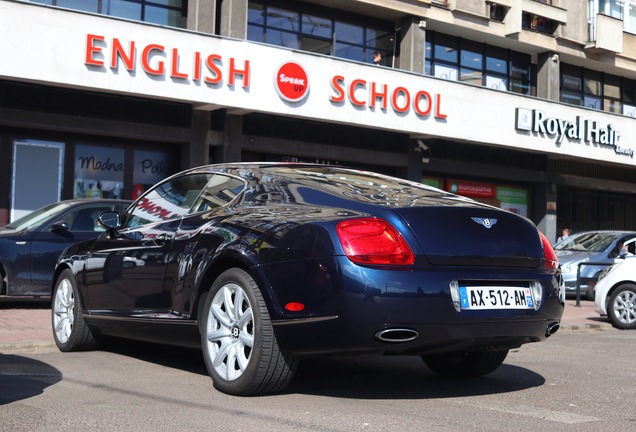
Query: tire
{"x": 69, "y": 329}
{"x": 621, "y": 309}
{"x": 465, "y": 364}
{"x": 237, "y": 338}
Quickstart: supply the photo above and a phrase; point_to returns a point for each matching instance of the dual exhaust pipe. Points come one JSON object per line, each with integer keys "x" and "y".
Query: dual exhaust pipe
{"x": 401, "y": 335}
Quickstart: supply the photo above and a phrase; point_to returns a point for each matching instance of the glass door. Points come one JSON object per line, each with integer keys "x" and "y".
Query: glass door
{"x": 38, "y": 172}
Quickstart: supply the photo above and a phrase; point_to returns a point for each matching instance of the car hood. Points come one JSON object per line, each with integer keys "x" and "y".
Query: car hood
{"x": 569, "y": 256}
{"x": 8, "y": 233}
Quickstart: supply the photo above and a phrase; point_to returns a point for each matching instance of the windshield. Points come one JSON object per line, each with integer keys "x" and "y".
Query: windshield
{"x": 37, "y": 217}
{"x": 587, "y": 242}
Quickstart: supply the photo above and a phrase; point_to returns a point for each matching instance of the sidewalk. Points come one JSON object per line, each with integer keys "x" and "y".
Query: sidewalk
{"x": 28, "y": 325}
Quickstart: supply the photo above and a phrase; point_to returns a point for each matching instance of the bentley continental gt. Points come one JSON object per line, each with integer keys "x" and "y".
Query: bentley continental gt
{"x": 262, "y": 264}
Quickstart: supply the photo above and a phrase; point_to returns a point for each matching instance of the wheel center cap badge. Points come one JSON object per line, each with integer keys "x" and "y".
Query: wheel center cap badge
{"x": 235, "y": 332}
{"x": 291, "y": 82}
{"x": 486, "y": 222}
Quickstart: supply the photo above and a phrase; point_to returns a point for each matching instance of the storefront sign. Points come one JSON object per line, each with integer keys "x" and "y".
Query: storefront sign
{"x": 157, "y": 60}
{"x": 291, "y": 82}
{"x": 471, "y": 189}
{"x": 361, "y": 92}
{"x": 582, "y": 130}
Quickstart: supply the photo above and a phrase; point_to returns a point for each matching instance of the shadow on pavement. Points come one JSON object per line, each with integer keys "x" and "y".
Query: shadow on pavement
{"x": 22, "y": 377}
{"x": 401, "y": 377}
{"x": 396, "y": 377}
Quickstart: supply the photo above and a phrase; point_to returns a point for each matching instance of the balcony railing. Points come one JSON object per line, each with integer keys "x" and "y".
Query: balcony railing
{"x": 440, "y": 3}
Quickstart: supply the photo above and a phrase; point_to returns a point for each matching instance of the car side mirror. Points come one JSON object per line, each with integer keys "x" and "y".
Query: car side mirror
{"x": 59, "y": 227}
{"x": 110, "y": 220}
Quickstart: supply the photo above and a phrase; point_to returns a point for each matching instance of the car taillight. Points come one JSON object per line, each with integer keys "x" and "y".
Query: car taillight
{"x": 373, "y": 241}
{"x": 551, "y": 260}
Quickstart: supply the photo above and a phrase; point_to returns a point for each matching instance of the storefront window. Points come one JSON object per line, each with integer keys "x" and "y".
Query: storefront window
{"x": 85, "y": 5}
{"x": 163, "y": 12}
{"x": 150, "y": 167}
{"x": 99, "y": 172}
{"x": 316, "y": 26}
{"x": 513, "y": 199}
{"x": 597, "y": 90}
{"x": 319, "y": 30}
{"x": 454, "y": 58}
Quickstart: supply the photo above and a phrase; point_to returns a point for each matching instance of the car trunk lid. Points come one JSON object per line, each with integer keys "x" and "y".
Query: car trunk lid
{"x": 475, "y": 236}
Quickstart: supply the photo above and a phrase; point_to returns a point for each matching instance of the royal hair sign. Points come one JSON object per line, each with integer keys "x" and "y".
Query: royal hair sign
{"x": 579, "y": 130}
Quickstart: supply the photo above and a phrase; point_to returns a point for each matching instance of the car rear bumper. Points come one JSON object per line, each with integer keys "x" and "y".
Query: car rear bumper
{"x": 362, "y": 309}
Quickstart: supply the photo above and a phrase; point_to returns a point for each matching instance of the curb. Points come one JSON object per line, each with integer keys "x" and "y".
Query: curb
{"x": 26, "y": 346}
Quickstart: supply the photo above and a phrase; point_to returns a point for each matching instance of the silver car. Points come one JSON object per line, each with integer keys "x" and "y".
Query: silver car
{"x": 593, "y": 252}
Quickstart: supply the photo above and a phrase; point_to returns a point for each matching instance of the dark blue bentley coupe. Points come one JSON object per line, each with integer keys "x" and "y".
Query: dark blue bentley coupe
{"x": 260, "y": 264}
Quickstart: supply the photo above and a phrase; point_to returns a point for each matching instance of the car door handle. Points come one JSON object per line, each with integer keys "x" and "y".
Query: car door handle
{"x": 163, "y": 238}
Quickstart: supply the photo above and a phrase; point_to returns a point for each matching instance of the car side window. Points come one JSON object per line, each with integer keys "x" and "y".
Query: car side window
{"x": 219, "y": 191}
{"x": 168, "y": 200}
{"x": 85, "y": 219}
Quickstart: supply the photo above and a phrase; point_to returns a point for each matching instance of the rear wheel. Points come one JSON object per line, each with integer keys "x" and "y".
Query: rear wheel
{"x": 621, "y": 309}
{"x": 69, "y": 329}
{"x": 239, "y": 346}
{"x": 465, "y": 364}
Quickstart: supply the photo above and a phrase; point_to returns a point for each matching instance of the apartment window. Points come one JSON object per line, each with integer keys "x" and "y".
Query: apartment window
{"x": 458, "y": 59}
{"x": 321, "y": 31}
{"x": 497, "y": 12}
{"x": 538, "y": 23}
{"x": 597, "y": 90}
{"x": 628, "y": 95}
{"x": 624, "y": 10}
{"x": 164, "y": 12}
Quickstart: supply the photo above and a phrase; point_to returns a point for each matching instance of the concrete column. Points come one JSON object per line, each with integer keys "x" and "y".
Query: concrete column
{"x": 199, "y": 151}
{"x": 202, "y": 16}
{"x": 548, "y": 79}
{"x": 545, "y": 202}
{"x": 412, "y": 44}
{"x": 234, "y": 19}
{"x": 230, "y": 150}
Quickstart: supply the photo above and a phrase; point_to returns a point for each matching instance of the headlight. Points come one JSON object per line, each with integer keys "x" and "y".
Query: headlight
{"x": 571, "y": 267}
{"x": 605, "y": 272}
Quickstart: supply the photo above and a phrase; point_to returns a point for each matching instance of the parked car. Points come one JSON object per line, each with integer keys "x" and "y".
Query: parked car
{"x": 261, "y": 264}
{"x": 31, "y": 245}
{"x": 616, "y": 293}
{"x": 593, "y": 251}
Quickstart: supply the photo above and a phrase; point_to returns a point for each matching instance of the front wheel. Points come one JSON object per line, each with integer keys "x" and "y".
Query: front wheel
{"x": 622, "y": 307}
{"x": 239, "y": 346}
{"x": 465, "y": 364}
{"x": 69, "y": 329}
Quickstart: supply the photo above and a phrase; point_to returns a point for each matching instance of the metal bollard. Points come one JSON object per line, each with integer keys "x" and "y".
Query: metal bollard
{"x": 578, "y": 285}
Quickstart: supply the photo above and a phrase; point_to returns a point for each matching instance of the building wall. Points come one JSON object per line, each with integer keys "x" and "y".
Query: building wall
{"x": 497, "y": 132}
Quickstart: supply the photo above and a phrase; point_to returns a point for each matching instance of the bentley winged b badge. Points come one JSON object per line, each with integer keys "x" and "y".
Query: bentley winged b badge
{"x": 486, "y": 222}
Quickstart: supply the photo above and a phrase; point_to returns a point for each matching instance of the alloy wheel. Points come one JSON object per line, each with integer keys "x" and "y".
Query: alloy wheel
{"x": 230, "y": 331}
{"x": 63, "y": 311}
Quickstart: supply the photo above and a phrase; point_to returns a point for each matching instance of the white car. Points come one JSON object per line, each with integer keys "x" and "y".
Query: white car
{"x": 615, "y": 293}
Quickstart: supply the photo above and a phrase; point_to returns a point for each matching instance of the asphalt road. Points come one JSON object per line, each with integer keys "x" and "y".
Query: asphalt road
{"x": 575, "y": 381}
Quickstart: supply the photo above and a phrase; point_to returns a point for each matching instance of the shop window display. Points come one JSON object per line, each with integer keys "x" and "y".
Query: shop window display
{"x": 99, "y": 172}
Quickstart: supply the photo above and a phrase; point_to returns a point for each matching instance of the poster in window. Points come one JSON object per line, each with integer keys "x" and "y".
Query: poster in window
{"x": 99, "y": 172}
{"x": 150, "y": 168}
{"x": 513, "y": 199}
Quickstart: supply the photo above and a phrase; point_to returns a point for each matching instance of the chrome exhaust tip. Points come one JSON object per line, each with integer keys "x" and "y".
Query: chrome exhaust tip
{"x": 396, "y": 335}
{"x": 552, "y": 329}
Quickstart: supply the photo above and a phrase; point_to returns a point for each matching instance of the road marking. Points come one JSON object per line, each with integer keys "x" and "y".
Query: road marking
{"x": 539, "y": 413}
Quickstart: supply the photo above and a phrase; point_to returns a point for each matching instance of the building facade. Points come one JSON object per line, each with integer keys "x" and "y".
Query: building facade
{"x": 526, "y": 105}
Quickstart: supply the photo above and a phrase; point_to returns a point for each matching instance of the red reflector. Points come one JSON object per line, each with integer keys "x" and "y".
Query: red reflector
{"x": 294, "y": 306}
{"x": 551, "y": 260}
{"x": 373, "y": 241}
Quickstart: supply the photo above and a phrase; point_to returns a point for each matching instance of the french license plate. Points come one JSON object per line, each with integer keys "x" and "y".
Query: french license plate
{"x": 495, "y": 297}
